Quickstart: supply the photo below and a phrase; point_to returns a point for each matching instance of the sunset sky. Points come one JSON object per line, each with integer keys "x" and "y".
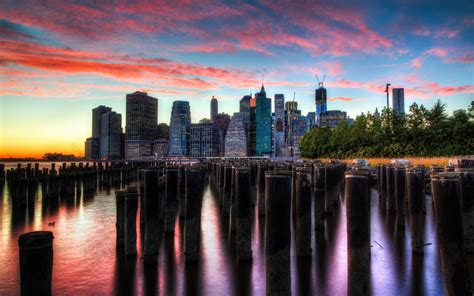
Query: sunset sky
{"x": 59, "y": 60}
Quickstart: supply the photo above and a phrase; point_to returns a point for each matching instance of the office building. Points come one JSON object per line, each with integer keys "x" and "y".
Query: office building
{"x": 279, "y": 125}
{"x": 236, "y": 139}
{"x": 160, "y": 147}
{"x": 332, "y": 118}
{"x": 204, "y": 140}
{"x": 214, "y": 109}
{"x": 91, "y": 148}
{"x": 222, "y": 123}
{"x": 179, "y": 131}
{"x": 141, "y": 124}
{"x": 311, "y": 120}
{"x": 110, "y": 136}
{"x": 163, "y": 131}
{"x": 398, "y": 100}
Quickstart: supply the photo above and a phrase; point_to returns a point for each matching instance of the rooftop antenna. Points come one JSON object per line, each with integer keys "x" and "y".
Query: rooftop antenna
{"x": 320, "y": 82}
{"x": 294, "y": 95}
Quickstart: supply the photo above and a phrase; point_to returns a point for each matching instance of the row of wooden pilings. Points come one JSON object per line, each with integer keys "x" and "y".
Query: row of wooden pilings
{"x": 279, "y": 190}
{"x": 402, "y": 192}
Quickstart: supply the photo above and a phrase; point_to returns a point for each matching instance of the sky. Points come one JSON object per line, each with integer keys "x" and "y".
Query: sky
{"x": 60, "y": 59}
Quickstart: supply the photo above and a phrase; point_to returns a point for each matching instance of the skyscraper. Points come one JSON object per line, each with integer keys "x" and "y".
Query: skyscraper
{"x": 204, "y": 140}
{"x": 398, "y": 100}
{"x": 110, "y": 136}
{"x": 236, "y": 139}
{"x": 279, "y": 125}
{"x": 222, "y": 123}
{"x": 141, "y": 129}
{"x": 96, "y": 119}
{"x": 321, "y": 102}
{"x": 179, "y": 132}
{"x": 263, "y": 122}
{"x": 332, "y": 118}
{"x": 214, "y": 109}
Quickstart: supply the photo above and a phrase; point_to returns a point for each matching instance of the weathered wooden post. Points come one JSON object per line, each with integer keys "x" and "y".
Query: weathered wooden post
{"x": 467, "y": 201}
{"x": 226, "y": 190}
{"x": 332, "y": 190}
{"x": 36, "y": 262}
{"x": 172, "y": 176}
{"x": 319, "y": 196}
{"x": 357, "y": 197}
{"x": 192, "y": 220}
{"x": 120, "y": 217}
{"x": 131, "y": 206}
{"x": 243, "y": 212}
{"x": 182, "y": 190}
{"x": 415, "y": 185}
{"x": 445, "y": 188}
{"x": 390, "y": 174}
{"x": 277, "y": 232}
{"x": 152, "y": 201}
{"x": 261, "y": 168}
{"x": 399, "y": 173}
{"x": 303, "y": 211}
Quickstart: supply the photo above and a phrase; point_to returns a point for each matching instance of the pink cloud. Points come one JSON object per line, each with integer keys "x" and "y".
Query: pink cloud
{"x": 416, "y": 63}
{"x": 436, "y": 51}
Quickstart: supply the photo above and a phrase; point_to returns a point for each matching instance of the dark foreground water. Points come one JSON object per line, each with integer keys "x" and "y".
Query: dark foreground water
{"x": 86, "y": 261}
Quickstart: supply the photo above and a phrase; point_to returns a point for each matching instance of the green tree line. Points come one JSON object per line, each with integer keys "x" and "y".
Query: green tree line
{"x": 420, "y": 133}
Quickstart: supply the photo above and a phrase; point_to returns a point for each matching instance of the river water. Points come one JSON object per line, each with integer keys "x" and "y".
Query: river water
{"x": 86, "y": 261}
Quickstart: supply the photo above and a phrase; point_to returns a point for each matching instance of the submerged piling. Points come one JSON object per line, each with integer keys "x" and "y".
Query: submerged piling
{"x": 399, "y": 173}
{"x": 243, "y": 212}
{"x": 172, "y": 177}
{"x": 131, "y": 206}
{"x": 445, "y": 188}
{"x": 303, "y": 212}
{"x": 415, "y": 185}
{"x": 277, "y": 232}
{"x": 152, "y": 200}
{"x": 467, "y": 192}
{"x": 357, "y": 197}
{"x": 226, "y": 190}
{"x": 390, "y": 175}
{"x": 261, "y": 168}
{"x": 332, "y": 190}
{"x": 319, "y": 196}
{"x": 36, "y": 262}
{"x": 120, "y": 217}
{"x": 192, "y": 220}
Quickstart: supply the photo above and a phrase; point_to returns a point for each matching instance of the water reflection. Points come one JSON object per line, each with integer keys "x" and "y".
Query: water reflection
{"x": 86, "y": 259}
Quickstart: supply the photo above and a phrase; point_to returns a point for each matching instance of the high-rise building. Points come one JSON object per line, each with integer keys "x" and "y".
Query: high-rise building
{"x": 214, "y": 109}
{"x": 321, "y": 102}
{"x": 398, "y": 100}
{"x": 236, "y": 139}
{"x": 332, "y": 118}
{"x": 110, "y": 135}
{"x": 311, "y": 120}
{"x": 96, "y": 119}
{"x": 279, "y": 125}
{"x": 263, "y": 121}
{"x": 141, "y": 121}
{"x": 204, "y": 140}
{"x": 222, "y": 123}
{"x": 244, "y": 111}
{"x": 92, "y": 145}
{"x": 163, "y": 131}
{"x": 92, "y": 148}
{"x": 179, "y": 131}
{"x": 299, "y": 127}
{"x": 160, "y": 147}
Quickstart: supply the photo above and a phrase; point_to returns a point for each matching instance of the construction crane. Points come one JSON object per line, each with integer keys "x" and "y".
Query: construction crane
{"x": 320, "y": 83}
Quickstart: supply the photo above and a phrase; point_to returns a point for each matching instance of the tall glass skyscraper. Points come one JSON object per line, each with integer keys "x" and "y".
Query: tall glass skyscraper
{"x": 263, "y": 122}
{"x": 398, "y": 100}
{"x": 111, "y": 131}
{"x": 180, "y": 125}
{"x": 321, "y": 103}
{"x": 279, "y": 125}
{"x": 236, "y": 138}
{"x": 142, "y": 128}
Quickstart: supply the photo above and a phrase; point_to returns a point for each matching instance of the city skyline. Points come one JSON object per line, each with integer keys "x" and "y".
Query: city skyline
{"x": 60, "y": 61}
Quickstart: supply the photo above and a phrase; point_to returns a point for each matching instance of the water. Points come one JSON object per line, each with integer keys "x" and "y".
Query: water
{"x": 86, "y": 260}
